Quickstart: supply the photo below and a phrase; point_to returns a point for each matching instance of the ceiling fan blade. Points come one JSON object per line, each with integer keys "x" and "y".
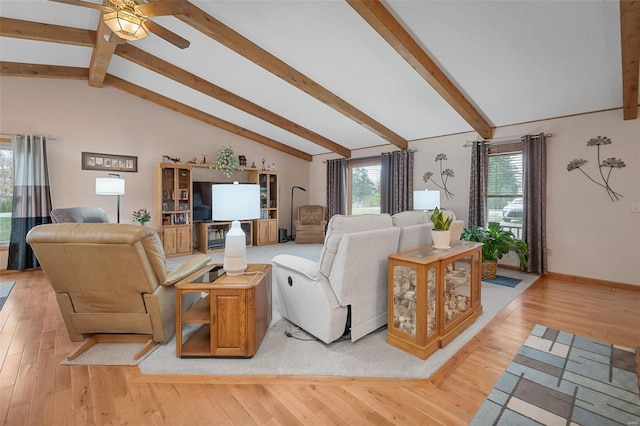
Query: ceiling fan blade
{"x": 161, "y": 8}
{"x": 169, "y": 36}
{"x": 84, "y": 4}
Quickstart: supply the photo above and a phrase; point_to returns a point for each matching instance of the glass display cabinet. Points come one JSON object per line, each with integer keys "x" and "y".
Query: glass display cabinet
{"x": 173, "y": 199}
{"x": 433, "y": 296}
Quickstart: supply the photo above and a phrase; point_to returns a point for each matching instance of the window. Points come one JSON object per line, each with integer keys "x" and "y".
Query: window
{"x": 505, "y": 203}
{"x": 6, "y": 190}
{"x": 364, "y": 187}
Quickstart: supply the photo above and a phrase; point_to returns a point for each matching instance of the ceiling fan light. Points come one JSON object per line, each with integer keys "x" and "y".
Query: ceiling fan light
{"x": 126, "y": 25}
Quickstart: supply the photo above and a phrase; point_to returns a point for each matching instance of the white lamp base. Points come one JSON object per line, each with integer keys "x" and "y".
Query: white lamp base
{"x": 235, "y": 250}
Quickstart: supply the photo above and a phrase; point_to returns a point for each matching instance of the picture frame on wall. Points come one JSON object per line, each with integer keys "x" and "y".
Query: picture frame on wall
{"x": 109, "y": 162}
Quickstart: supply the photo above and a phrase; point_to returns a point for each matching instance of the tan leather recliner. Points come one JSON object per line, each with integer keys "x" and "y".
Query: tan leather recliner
{"x": 310, "y": 224}
{"x": 111, "y": 279}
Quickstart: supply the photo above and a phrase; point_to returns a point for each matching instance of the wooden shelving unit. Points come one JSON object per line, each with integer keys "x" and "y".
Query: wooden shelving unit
{"x": 211, "y": 235}
{"x": 266, "y": 228}
{"x": 173, "y": 188}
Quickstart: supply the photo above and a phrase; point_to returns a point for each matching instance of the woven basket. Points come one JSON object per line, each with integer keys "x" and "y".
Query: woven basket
{"x": 489, "y": 269}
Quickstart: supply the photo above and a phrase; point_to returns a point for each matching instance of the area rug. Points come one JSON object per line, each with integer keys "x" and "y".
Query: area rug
{"x": 370, "y": 356}
{"x": 561, "y": 378}
{"x": 109, "y": 354}
{"x": 502, "y": 280}
{"x": 5, "y": 289}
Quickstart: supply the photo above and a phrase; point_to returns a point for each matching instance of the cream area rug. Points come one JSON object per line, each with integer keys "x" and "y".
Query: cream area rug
{"x": 301, "y": 354}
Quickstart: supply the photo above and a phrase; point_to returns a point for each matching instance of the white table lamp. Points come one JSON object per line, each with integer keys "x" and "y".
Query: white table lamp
{"x": 112, "y": 185}
{"x": 426, "y": 200}
{"x": 235, "y": 202}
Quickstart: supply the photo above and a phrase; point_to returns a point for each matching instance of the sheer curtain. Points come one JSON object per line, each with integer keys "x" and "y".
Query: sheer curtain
{"x": 478, "y": 186}
{"x": 396, "y": 181}
{"x": 31, "y": 197}
{"x": 336, "y": 187}
{"x": 534, "y": 225}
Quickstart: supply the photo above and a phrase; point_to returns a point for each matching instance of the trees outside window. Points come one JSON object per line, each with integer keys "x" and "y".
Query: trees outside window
{"x": 364, "y": 188}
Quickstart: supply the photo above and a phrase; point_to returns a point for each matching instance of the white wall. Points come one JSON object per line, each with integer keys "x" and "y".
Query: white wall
{"x": 110, "y": 121}
{"x": 589, "y": 235}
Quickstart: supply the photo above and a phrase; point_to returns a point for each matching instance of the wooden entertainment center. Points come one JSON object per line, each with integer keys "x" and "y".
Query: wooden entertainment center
{"x": 173, "y": 198}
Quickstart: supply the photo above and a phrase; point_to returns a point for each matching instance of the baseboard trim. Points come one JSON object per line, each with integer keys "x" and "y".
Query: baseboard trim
{"x": 577, "y": 279}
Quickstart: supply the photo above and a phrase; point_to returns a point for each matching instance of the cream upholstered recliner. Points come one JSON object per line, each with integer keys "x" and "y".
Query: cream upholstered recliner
{"x": 111, "y": 282}
{"x": 351, "y": 275}
{"x": 310, "y": 224}
{"x": 415, "y": 229}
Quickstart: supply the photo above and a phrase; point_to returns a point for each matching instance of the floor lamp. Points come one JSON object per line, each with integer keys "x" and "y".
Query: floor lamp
{"x": 293, "y": 237}
{"x": 112, "y": 185}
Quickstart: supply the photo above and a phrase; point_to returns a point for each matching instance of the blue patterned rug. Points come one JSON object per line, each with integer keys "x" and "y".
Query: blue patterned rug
{"x": 502, "y": 280}
{"x": 5, "y": 289}
{"x": 561, "y": 378}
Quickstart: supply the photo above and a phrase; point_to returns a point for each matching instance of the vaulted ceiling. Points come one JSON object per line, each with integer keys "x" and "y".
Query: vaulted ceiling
{"x": 310, "y": 77}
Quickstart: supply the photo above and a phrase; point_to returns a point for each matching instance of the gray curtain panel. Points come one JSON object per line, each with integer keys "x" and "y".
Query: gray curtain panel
{"x": 478, "y": 186}
{"x": 336, "y": 187}
{"x": 534, "y": 225}
{"x": 396, "y": 182}
{"x": 31, "y": 198}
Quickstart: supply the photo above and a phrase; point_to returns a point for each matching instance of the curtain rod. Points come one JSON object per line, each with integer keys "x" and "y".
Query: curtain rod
{"x": 4, "y": 135}
{"x": 372, "y": 157}
{"x": 501, "y": 141}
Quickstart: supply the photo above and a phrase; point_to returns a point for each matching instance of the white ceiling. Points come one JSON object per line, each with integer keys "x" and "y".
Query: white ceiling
{"x": 515, "y": 61}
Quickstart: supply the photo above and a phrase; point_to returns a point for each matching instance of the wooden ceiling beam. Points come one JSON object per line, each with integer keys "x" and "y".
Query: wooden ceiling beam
{"x": 166, "y": 102}
{"x": 162, "y": 67}
{"x": 106, "y": 43}
{"x": 17, "y": 69}
{"x": 65, "y": 35}
{"x": 29, "y": 30}
{"x": 630, "y": 45}
{"x": 215, "y": 29}
{"x": 385, "y": 24}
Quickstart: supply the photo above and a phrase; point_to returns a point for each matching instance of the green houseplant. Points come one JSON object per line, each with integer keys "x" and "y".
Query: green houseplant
{"x": 441, "y": 232}
{"x": 496, "y": 243}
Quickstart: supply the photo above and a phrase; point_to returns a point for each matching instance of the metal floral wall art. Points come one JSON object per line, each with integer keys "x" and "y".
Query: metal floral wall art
{"x": 445, "y": 174}
{"x": 609, "y": 163}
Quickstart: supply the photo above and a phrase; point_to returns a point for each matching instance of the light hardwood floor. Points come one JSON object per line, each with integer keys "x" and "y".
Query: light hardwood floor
{"x": 35, "y": 389}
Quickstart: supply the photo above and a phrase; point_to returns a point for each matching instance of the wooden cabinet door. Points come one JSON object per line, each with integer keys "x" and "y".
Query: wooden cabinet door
{"x": 273, "y": 232}
{"x": 183, "y": 239}
{"x": 228, "y": 322}
{"x": 169, "y": 241}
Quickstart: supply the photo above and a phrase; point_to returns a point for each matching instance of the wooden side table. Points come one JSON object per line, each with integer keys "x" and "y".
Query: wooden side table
{"x": 434, "y": 295}
{"x": 234, "y": 314}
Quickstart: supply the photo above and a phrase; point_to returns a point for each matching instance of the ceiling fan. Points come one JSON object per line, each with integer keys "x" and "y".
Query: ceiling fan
{"x": 129, "y": 19}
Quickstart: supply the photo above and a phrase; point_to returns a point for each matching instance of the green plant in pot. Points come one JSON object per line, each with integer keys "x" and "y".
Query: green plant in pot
{"x": 441, "y": 232}
{"x": 496, "y": 243}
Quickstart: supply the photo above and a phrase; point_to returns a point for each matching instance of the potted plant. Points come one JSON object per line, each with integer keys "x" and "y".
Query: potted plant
{"x": 226, "y": 161}
{"x": 496, "y": 243}
{"x": 441, "y": 232}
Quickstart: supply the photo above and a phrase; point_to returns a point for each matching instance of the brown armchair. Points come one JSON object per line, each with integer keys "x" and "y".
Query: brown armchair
{"x": 110, "y": 281}
{"x": 310, "y": 224}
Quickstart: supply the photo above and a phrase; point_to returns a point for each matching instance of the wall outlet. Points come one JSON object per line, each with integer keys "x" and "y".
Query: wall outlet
{"x": 635, "y": 207}
{"x": 549, "y": 252}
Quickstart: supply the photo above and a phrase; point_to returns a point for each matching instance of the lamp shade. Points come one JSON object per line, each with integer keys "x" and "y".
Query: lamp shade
{"x": 426, "y": 200}
{"x": 109, "y": 186}
{"x": 235, "y": 201}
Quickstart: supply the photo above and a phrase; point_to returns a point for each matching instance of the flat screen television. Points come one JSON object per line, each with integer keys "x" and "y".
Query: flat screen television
{"x": 202, "y": 203}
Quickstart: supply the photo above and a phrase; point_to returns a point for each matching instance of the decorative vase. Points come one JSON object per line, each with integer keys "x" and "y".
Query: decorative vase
{"x": 489, "y": 269}
{"x": 441, "y": 239}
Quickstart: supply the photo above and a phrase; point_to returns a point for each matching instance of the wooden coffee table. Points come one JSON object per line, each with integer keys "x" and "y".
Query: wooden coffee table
{"x": 234, "y": 314}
